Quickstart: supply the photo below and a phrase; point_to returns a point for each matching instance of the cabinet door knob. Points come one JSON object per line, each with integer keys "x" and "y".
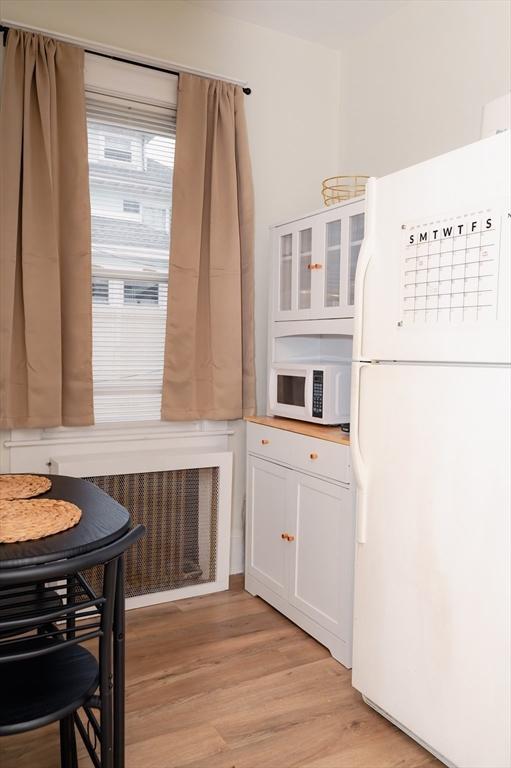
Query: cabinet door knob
{"x": 313, "y": 455}
{"x": 310, "y": 266}
{"x": 283, "y": 535}
{"x": 318, "y": 266}
{"x": 290, "y": 538}
{"x": 264, "y": 441}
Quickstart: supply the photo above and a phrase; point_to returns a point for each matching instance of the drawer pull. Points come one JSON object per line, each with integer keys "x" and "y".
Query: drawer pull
{"x": 264, "y": 441}
{"x": 313, "y": 456}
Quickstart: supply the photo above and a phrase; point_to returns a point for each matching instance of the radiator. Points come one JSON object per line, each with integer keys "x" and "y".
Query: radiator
{"x": 179, "y": 509}
{"x": 186, "y": 512}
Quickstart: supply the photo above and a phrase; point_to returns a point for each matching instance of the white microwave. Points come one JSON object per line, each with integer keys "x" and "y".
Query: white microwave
{"x": 319, "y": 393}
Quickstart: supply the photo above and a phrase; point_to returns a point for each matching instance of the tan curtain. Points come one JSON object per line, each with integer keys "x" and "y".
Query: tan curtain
{"x": 45, "y": 260}
{"x": 209, "y": 351}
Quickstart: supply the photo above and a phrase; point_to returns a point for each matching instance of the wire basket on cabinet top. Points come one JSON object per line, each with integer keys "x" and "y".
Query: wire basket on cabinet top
{"x": 336, "y": 189}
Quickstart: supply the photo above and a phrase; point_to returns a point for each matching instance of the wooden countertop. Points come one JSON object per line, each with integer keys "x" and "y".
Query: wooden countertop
{"x": 333, "y": 434}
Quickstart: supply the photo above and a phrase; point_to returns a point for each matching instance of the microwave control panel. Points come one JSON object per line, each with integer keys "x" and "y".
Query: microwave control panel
{"x": 317, "y": 394}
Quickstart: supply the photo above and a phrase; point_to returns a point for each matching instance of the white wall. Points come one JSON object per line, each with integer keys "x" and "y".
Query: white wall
{"x": 414, "y": 86}
{"x": 293, "y": 113}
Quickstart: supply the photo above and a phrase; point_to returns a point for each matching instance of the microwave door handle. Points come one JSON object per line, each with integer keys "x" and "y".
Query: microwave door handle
{"x": 272, "y": 389}
{"x": 308, "y": 394}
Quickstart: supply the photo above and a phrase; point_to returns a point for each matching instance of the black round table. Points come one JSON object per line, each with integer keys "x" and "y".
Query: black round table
{"x": 103, "y": 521}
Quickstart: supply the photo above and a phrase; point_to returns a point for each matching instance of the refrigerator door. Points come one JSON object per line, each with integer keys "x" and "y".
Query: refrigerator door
{"x": 434, "y": 277}
{"x": 432, "y": 645}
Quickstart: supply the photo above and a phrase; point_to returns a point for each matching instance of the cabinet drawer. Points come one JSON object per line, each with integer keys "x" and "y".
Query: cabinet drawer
{"x": 308, "y": 454}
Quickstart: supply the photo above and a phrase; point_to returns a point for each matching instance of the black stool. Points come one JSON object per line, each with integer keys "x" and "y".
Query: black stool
{"x": 46, "y": 612}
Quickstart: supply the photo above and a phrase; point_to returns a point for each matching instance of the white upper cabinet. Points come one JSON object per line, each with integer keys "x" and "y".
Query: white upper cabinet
{"x": 315, "y": 259}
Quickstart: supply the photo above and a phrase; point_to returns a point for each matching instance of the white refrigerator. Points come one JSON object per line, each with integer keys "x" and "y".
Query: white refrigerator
{"x": 431, "y": 446}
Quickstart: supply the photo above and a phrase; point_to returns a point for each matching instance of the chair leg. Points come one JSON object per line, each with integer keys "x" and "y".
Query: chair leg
{"x": 68, "y": 755}
{"x": 119, "y": 662}
{"x": 106, "y": 670}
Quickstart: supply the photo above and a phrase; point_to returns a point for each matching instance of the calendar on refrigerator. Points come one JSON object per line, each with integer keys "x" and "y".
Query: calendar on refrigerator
{"x": 450, "y": 269}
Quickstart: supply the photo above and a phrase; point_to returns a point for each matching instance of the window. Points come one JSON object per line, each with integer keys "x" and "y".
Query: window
{"x": 141, "y": 293}
{"x": 131, "y": 206}
{"x": 99, "y": 290}
{"x": 130, "y": 250}
{"x": 117, "y": 148}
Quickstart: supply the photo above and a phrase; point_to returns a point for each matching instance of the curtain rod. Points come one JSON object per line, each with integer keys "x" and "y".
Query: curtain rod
{"x": 5, "y": 29}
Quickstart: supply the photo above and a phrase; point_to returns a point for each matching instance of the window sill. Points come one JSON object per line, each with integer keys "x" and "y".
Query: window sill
{"x": 104, "y": 433}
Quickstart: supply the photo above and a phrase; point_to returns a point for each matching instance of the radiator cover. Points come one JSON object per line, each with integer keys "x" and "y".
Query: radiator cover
{"x": 179, "y": 509}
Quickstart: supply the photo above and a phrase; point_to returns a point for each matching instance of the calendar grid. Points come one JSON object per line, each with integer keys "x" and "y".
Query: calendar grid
{"x": 450, "y": 269}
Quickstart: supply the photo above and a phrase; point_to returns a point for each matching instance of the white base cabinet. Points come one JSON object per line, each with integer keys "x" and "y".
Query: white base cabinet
{"x": 300, "y": 536}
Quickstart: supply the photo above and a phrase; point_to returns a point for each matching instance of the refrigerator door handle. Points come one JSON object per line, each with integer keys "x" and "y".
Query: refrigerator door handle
{"x": 364, "y": 258}
{"x": 359, "y": 468}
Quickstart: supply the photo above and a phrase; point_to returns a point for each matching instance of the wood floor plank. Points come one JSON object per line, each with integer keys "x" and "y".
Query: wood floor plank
{"x": 181, "y": 747}
{"x": 224, "y": 681}
{"x": 36, "y": 749}
{"x": 243, "y": 711}
{"x": 378, "y": 752}
{"x": 180, "y": 654}
{"x": 205, "y": 676}
{"x": 350, "y": 744}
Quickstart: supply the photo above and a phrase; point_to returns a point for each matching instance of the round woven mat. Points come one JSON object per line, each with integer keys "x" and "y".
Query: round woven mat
{"x": 28, "y": 520}
{"x": 23, "y": 486}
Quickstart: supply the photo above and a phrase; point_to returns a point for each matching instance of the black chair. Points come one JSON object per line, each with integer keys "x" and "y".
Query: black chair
{"x": 46, "y": 612}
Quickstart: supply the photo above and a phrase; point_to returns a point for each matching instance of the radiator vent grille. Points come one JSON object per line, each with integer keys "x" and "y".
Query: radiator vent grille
{"x": 180, "y": 511}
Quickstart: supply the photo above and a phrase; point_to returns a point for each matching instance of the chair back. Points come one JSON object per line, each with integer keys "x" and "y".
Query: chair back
{"x": 44, "y": 608}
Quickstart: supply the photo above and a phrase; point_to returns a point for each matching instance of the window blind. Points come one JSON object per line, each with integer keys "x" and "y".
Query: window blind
{"x": 131, "y": 159}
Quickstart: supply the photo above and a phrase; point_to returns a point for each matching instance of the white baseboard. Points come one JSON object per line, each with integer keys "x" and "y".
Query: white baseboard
{"x": 182, "y": 593}
{"x": 237, "y": 552}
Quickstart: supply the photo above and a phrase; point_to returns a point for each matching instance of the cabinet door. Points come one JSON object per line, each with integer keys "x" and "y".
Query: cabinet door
{"x": 331, "y": 259}
{"x": 293, "y": 274}
{"x": 284, "y": 275}
{"x": 321, "y": 569}
{"x": 335, "y": 254}
{"x": 267, "y": 503}
{"x": 355, "y": 235}
{"x": 305, "y": 270}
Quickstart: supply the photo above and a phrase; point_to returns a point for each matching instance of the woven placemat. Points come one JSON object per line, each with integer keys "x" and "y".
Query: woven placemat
{"x": 23, "y": 486}
{"x": 22, "y": 520}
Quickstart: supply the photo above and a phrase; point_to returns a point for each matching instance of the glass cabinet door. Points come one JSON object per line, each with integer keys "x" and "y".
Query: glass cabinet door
{"x": 305, "y": 264}
{"x": 356, "y": 237}
{"x": 332, "y": 280}
{"x": 286, "y": 272}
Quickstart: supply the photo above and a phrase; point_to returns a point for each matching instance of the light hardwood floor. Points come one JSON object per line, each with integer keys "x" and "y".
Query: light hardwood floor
{"x": 224, "y": 681}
